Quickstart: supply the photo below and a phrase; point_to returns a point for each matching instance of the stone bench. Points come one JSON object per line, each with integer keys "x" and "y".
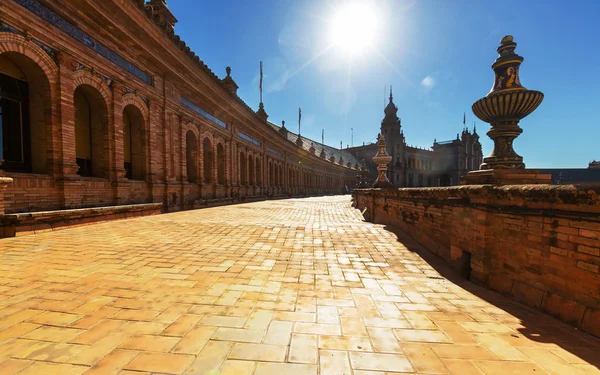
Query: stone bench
{"x": 215, "y": 202}
{"x": 19, "y": 224}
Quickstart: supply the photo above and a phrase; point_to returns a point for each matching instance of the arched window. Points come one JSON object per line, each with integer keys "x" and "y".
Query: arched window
{"x": 191, "y": 156}
{"x": 221, "y": 164}
{"x": 242, "y": 168}
{"x": 134, "y": 146}
{"x": 251, "y": 170}
{"x": 90, "y": 123}
{"x": 207, "y": 159}
{"x": 258, "y": 175}
{"x": 25, "y": 114}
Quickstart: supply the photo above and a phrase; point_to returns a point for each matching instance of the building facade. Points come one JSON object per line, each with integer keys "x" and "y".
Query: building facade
{"x": 103, "y": 104}
{"x": 442, "y": 165}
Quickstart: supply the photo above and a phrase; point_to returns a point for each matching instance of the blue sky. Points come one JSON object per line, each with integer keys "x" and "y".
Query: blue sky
{"x": 451, "y": 42}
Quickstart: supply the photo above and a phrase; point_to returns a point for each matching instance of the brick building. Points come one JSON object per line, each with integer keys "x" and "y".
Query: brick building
{"x": 442, "y": 165}
{"x": 103, "y": 104}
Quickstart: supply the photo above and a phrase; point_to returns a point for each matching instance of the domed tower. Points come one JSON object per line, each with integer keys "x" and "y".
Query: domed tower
{"x": 391, "y": 129}
{"x": 466, "y": 163}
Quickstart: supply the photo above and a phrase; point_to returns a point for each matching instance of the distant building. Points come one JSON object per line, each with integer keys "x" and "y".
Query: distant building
{"x": 574, "y": 175}
{"x": 443, "y": 165}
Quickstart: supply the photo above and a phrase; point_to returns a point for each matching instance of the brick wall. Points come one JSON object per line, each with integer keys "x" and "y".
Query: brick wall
{"x": 539, "y": 244}
{"x": 159, "y": 144}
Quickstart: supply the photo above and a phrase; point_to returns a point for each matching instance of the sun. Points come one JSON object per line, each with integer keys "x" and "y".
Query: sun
{"x": 353, "y": 28}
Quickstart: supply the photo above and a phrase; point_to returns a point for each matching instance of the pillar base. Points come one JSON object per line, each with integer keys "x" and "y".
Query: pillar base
{"x": 506, "y": 177}
{"x": 382, "y": 184}
{"x": 4, "y": 182}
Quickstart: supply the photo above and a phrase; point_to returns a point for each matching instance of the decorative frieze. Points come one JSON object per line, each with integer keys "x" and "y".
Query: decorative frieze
{"x": 249, "y": 139}
{"x": 68, "y": 28}
{"x": 49, "y": 50}
{"x": 202, "y": 112}
{"x": 108, "y": 81}
{"x": 275, "y": 152}
{"x": 127, "y": 90}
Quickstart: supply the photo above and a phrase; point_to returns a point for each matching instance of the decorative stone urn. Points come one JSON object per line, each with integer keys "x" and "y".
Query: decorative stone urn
{"x": 382, "y": 159}
{"x": 361, "y": 176}
{"x": 358, "y": 178}
{"x": 505, "y": 106}
{"x": 364, "y": 174}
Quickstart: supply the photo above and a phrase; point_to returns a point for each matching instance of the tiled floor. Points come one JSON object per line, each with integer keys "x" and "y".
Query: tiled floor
{"x": 299, "y": 286}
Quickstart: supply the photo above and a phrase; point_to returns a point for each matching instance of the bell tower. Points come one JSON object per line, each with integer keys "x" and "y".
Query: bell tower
{"x": 391, "y": 130}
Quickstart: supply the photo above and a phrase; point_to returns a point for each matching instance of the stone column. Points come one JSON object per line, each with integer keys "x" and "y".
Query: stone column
{"x": 247, "y": 168}
{"x": 155, "y": 150}
{"x": 200, "y": 161}
{"x": 67, "y": 178}
{"x": 117, "y": 171}
{"x": 4, "y": 181}
{"x": 215, "y": 180}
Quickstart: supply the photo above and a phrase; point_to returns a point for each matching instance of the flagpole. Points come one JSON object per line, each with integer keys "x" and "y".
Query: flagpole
{"x": 261, "y": 80}
{"x": 299, "y": 119}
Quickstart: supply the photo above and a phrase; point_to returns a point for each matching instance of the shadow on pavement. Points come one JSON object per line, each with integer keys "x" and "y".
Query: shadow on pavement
{"x": 535, "y": 325}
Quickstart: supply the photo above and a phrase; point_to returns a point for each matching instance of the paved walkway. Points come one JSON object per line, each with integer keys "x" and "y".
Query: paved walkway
{"x": 299, "y": 286}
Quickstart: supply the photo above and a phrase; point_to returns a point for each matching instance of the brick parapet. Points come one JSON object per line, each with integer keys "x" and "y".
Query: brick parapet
{"x": 539, "y": 244}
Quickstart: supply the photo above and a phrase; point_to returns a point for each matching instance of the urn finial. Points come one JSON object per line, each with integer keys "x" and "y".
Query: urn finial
{"x": 506, "y": 67}
{"x": 382, "y": 159}
{"x": 504, "y": 106}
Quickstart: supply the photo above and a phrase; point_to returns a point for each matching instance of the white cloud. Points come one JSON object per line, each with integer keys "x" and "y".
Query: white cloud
{"x": 428, "y": 82}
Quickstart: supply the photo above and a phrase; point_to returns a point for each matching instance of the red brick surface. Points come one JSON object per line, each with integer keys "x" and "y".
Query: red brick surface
{"x": 285, "y": 287}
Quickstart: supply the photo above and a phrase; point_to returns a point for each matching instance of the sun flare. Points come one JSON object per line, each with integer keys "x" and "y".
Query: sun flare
{"x": 353, "y": 28}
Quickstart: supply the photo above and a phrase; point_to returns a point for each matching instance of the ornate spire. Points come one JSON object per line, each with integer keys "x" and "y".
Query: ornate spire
{"x": 282, "y": 130}
{"x": 261, "y": 112}
{"x": 323, "y": 155}
{"x": 391, "y": 109}
{"x": 229, "y": 83}
{"x": 162, "y": 14}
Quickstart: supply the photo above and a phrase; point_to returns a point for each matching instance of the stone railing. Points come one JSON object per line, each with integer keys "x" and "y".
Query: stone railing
{"x": 539, "y": 244}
